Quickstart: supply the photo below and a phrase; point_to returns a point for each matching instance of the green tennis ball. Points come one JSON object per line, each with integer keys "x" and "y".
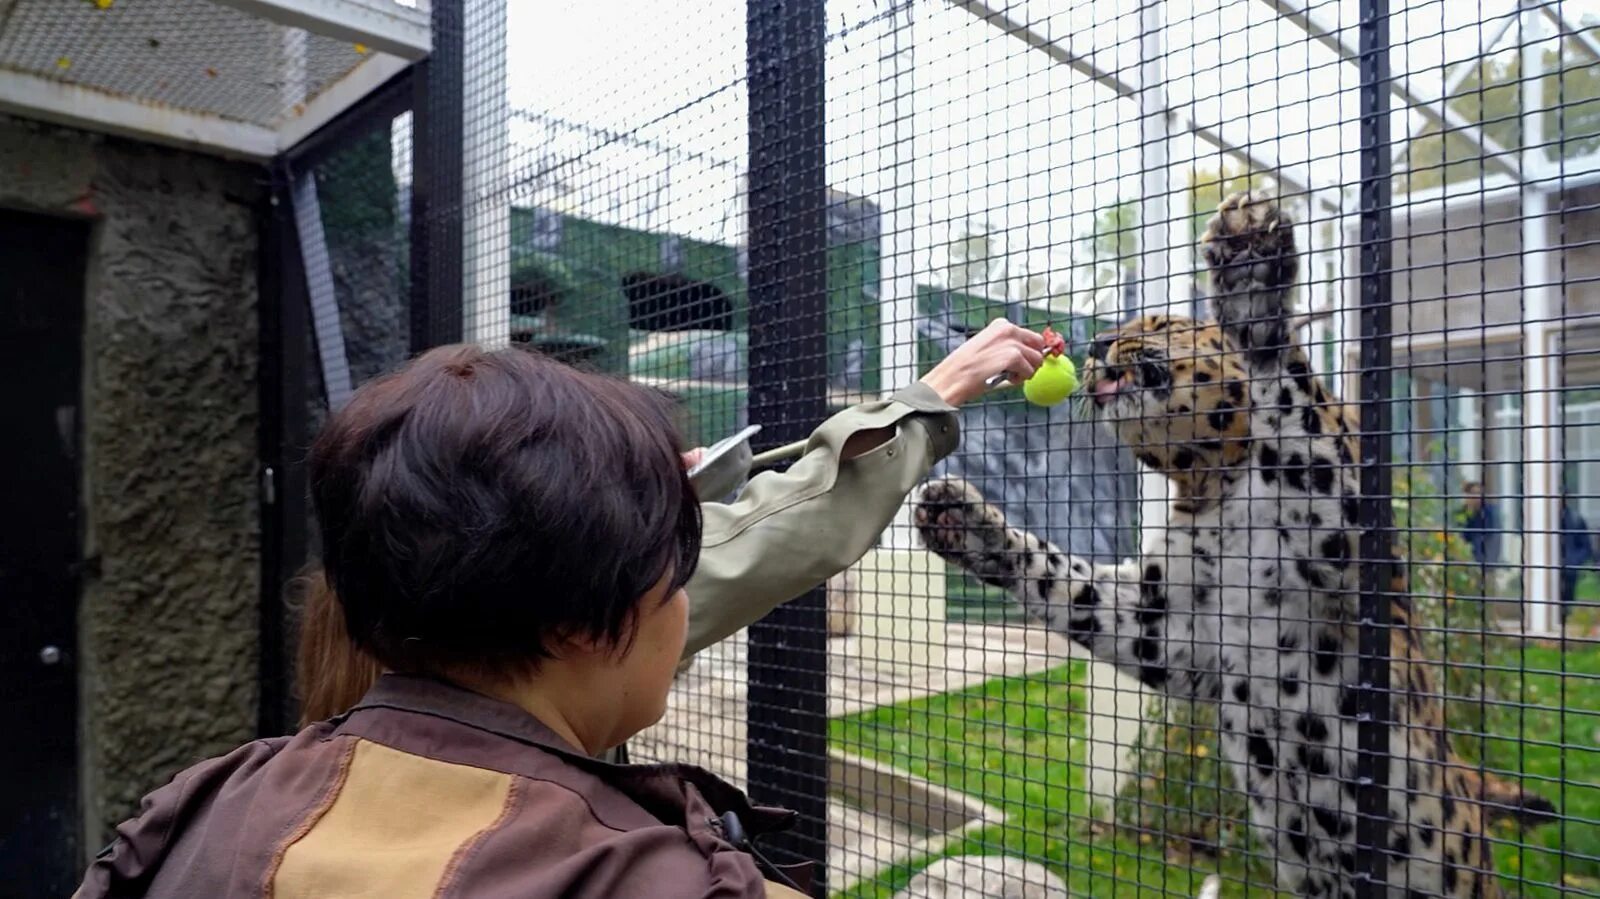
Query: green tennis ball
{"x": 1053, "y": 382}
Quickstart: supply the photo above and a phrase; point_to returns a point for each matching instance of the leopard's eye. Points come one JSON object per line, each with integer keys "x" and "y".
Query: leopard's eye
{"x": 1153, "y": 374}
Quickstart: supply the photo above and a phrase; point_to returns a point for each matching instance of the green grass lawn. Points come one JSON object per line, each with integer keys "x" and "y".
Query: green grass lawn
{"x": 1020, "y": 745}
{"x": 1548, "y": 727}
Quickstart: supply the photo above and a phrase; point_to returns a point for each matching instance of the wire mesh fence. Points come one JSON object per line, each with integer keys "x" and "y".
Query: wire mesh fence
{"x": 1296, "y": 596}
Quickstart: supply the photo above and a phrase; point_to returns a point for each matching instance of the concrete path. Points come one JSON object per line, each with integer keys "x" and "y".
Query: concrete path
{"x": 705, "y": 723}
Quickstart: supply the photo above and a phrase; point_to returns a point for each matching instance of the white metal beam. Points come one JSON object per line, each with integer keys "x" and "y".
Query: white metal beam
{"x": 486, "y": 157}
{"x": 897, "y": 292}
{"x": 1472, "y": 194}
{"x": 1456, "y": 79}
{"x": 46, "y": 99}
{"x": 385, "y": 26}
{"x": 76, "y": 106}
{"x": 1583, "y": 35}
{"x": 1541, "y": 388}
{"x": 1437, "y": 111}
{"x": 897, "y": 138}
{"x": 1059, "y": 51}
{"x": 1156, "y": 215}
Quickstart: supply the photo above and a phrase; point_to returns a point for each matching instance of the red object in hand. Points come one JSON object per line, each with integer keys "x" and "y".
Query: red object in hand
{"x": 1054, "y": 343}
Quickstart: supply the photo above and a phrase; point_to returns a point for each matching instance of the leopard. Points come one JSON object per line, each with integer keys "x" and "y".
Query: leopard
{"x": 1249, "y": 596}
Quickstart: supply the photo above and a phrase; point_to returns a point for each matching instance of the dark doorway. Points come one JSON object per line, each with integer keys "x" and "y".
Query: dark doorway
{"x": 671, "y": 302}
{"x": 42, "y": 263}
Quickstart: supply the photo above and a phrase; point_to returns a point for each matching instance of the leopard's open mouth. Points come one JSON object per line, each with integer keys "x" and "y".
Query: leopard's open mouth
{"x": 1109, "y": 389}
{"x": 1105, "y": 390}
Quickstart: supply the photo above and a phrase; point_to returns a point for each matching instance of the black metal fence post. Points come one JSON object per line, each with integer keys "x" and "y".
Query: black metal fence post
{"x": 438, "y": 129}
{"x": 788, "y": 664}
{"x": 1377, "y": 476}
{"x": 285, "y": 391}
{"x": 284, "y": 322}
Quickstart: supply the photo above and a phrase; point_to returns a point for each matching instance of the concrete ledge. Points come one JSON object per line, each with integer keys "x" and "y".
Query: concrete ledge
{"x": 935, "y": 816}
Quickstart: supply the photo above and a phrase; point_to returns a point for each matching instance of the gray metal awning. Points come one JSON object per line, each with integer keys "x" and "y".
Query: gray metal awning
{"x": 240, "y": 78}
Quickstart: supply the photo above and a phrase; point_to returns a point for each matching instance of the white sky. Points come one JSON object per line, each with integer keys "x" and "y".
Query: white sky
{"x": 1002, "y": 132}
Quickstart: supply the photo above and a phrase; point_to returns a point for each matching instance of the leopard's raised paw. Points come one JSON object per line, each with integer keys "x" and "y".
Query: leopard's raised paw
{"x": 953, "y": 519}
{"x": 1249, "y": 244}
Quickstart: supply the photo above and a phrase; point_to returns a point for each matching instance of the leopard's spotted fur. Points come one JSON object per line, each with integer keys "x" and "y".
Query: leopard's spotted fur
{"x": 1249, "y": 595}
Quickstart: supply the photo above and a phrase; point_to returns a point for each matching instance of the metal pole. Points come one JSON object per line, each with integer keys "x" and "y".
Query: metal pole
{"x": 1541, "y": 501}
{"x": 1349, "y": 347}
{"x": 788, "y": 242}
{"x": 1317, "y": 333}
{"x": 317, "y": 267}
{"x": 1377, "y": 476}
{"x": 283, "y": 434}
{"x": 1155, "y": 209}
{"x": 436, "y": 185}
{"x": 897, "y": 302}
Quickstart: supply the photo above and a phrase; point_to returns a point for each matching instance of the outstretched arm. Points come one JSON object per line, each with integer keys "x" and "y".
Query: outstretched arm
{"x": 789, "y": 532}
{"x": 1123, "y": 614}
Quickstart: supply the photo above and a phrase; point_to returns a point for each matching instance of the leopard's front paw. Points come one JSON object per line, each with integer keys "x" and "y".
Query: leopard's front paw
{"x": 1249, "y": 246}
{"x": 1250, "y": 243}
{"x": 955, "y": 521}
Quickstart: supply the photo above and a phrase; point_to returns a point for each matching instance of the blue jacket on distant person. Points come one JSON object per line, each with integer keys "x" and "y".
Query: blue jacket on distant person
{"x": 1577, "y": 543}
{"x": 1481, "y": 530}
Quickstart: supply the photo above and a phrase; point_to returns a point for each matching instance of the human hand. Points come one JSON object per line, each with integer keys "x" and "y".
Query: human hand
{"x": 693, "y": 457}
{"x": 999, "y": 347}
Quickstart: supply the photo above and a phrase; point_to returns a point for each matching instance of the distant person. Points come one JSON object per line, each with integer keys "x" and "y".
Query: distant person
{"x": 1482, "y": 525}
{"x": 1577, "y": 553}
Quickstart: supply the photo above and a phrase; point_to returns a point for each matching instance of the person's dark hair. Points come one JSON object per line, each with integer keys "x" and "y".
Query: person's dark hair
{"x": 478, "y": 507}
{"x": 331, "y": 673}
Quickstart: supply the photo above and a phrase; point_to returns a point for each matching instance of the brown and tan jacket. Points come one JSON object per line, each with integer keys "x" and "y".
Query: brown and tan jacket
{"x": 426, "y": 790}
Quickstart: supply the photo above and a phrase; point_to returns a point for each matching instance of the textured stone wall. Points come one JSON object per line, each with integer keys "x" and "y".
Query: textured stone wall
{"x": 167, "y": 621}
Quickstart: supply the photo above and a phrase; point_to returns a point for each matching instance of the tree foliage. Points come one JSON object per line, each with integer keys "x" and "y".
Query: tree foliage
{"x": 1491, "y": 96}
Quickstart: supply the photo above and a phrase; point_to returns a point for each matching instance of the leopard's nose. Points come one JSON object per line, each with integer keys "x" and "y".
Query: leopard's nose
{"x": 1102, "y": 345}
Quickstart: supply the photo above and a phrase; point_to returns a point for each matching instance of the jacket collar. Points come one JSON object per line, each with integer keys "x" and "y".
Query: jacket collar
{"x": 439, "y": 699}
{"x": 659, "y": 788}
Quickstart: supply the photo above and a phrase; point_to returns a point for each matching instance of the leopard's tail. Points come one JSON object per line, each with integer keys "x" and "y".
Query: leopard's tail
{"x": 1503, "y": 800}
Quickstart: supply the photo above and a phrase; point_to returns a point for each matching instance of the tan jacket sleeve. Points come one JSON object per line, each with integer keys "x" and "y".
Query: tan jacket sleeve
{"x": 789, "y": 532}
